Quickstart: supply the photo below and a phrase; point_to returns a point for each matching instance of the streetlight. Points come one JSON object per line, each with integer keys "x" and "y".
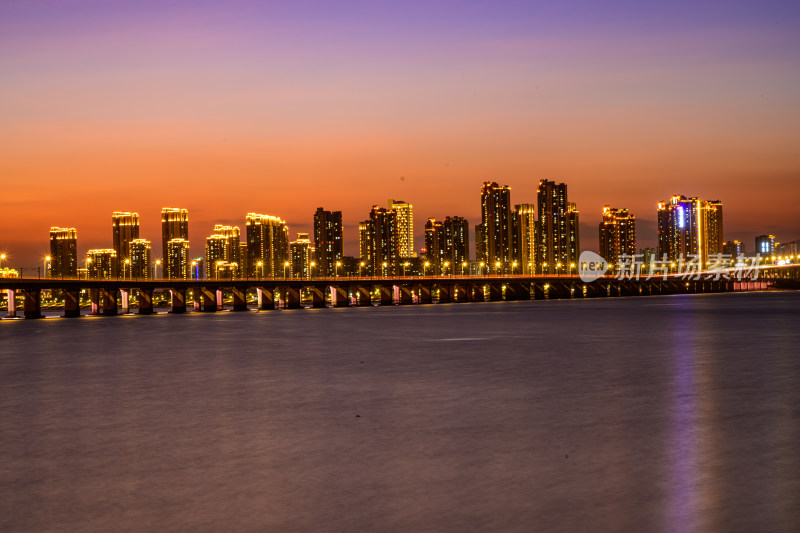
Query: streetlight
{"x": 360, "y": 269}
{"x": 338, "y": 264}
{"x": 463, "y": 267}
{"x": 544, "y": 267}
{"x": 571, "y": 268}
{"x": 128, "y": 264}
{"x": 311, "y": 272}
{"x": 285, "y": 266}
{"x": 530, "y": 271}
{"x": 158, "y": 264}
{"x": 384, "y": 269}
{"x": 261, "y": 267}
{"x": 425, "y": 268}
{"x": 513, "y": 267}
{"x": 446, "y": 265}
{"x": 2, "y": 258}
{"x": 497, "y": 267}
{"x": 558, "y": 266}
{"x": 483, "y": 265}
{"x": 46, "y": 265}
{"x": 404, "y": 268}
{"x": 194, "y": 270}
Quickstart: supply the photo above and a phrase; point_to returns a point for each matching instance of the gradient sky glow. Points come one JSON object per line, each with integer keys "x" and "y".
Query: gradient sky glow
{"x": 281, "y": 107}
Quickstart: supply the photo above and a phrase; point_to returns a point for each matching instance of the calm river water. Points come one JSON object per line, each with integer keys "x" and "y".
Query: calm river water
{"x": 675, "y": 413}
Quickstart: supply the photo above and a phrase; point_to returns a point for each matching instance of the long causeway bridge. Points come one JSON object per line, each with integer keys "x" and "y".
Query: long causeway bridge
{"x": 113, "y": 297}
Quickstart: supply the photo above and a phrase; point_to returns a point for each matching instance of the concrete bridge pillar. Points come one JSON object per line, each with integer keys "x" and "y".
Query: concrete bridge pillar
{"x": 522, "y": 291}
{"x": 72, "y": 303}
{"x": 205, "y": 300}
{"x": 361, "y": 295}
{"x": 539, "y": 292}
{"x": 94, "y": 297}
{"x": 402, "y": 295}
{"x": 459, "y": 293}
{"x": 339, "y": 297}
{"x": 317, "y": 298}
{"x": 239, "y": 298}
{"x": 476, "y": 294}
{"x": 290, "y": 298}
{"x": 11, "y": 296}
{"x": 124, "y": 295}
{"x": 178, "y": 300}
{"x": 266, "y": 299}
{"x": 109, "y": 297}
{"x": 385, "y": 294}
{"x": 422, "y": 294}
{"x": 145, "y": 301}
{"x": 220, "y": 299}
{"x": 495, "y": 292}
{"x": 32, "y": 307}
{"x": 445, "y": 294}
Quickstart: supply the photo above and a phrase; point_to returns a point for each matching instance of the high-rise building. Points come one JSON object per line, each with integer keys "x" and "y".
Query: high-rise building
{"x": 404, "y": 218}
{"x": 267, "y": 245}
{"x": 174, "y": 225}
{"x": 223, "y": 246}
{"x": 733, "y": 248}
{"x": 765, "y": 245}
{"x": 689, "y": 227}
{"x": 787, "y": 250}
{"x": 328, "y": 242}
{"x": 301, "y": 255}
{"x": 125, "y": 228}
{"x": 496, "y": 226}
{"x": 524, "y": 237}
{"x": 63, "y": 252}
{"x": 382, "y": 241}
{"x": 102, "y": 263}
{"x": 480, "y": 244}
{"x": 363, "y": 248}
{"x": 713, "y": 215}
{"x": 456, "y": 241}
{"x": 557, "y": 227}
{"x": 434, "y": 244}
{"x": 178, "y": 262}
{"x": 617, "y": 234}
{"x": 139, "y": 257}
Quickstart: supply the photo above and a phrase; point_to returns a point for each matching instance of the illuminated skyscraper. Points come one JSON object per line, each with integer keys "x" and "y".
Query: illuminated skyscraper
{"x": 223, "y": 246}
{"x": 102, "y": 263}
{"x": 733, "y": 248}
{"x": 447, "y": 244}
{"x": 713, "y": 214}
{"x": 139, "y": 256}
{"x": 63, "y": 252}
{"x": 328, "y": 243}
{"x": 382, "y": 241}
{"x": 363, "y": 244}
{"x": 178, "y": 261}
{"x": 496, "y": 228}
{"x": 267, "y": 243}
{"x": 125, "y": 228}
{"x": 689, "y": 227}
{"x": 404, "y": 218}
{"x": 302, "y": 254}
{"x": 617, "y": 234}
{"x": 765, "y": 245}
{"x": 557, "y": 228}
{"x": 524, "y": 217}
{"x": 174, "y": 225}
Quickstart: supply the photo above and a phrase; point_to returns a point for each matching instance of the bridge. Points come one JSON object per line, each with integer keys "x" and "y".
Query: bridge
{"x": 113, "y": 297}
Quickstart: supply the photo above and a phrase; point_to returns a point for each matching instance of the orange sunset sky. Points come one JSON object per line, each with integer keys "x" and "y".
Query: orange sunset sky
{"x": 227, "y": 108}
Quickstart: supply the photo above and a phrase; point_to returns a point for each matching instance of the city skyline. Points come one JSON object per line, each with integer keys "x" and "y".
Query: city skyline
{"x": 253, "y": 107}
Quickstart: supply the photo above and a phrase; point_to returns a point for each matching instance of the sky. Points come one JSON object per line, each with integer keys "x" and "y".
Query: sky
{"x": 226, "y": 108}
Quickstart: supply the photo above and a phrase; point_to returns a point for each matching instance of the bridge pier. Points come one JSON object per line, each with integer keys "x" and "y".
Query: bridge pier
{"x": 339, "y": 297}
{"x": 317, "y": 298}
{"x": 124, "y": 296}
{"x": 385, "y": 295}
{"x": 239, "y": 298}
{"x": 422, "y": 294}
{"x": 402, "y": 295}
{"x": 109, "y": 297}
{"x": 445, "y": 294}
{"x": 32, "y": 307}
{"x": 205, "y": 300}
{"x": 361, "y": 296}
{"x": 266, "y": 299}
{"x": 72, "y": 303}
{"x": 11, "y": 296}
{"x": 178, "y": 300}
{"x": 94, "y": 298}
{"x": 144, "y": 299}
{"x": 476, "y": 294}
{"x": 289, "y": 298}
{"x": 495, "y": 293}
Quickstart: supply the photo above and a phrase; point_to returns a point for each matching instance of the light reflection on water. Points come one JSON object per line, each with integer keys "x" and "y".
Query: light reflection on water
{"x": 636, "y": 414}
